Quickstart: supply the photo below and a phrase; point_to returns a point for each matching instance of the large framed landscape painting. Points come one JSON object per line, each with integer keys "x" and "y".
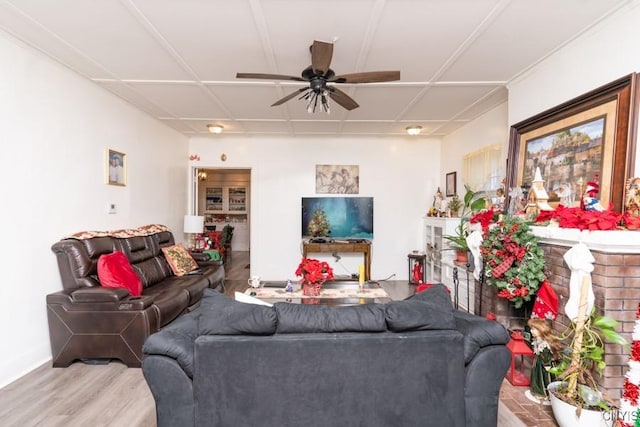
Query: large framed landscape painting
{"x": 576, "y": 142}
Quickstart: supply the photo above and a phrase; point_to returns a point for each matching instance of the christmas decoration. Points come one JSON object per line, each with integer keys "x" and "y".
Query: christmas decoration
{"x": 319, "y": 224}
{"x": 629, "y": 413}
{"x": 514, "y": 263}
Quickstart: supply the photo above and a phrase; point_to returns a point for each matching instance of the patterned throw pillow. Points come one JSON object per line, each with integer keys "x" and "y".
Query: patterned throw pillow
{"x": 179, "y": 259}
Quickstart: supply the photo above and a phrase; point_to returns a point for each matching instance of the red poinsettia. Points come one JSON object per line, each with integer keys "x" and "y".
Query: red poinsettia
{"x": 485, "y": 218}
{"x": 581, "y": 219}
{"x": 631, "y": 392}
{"x": 631, "y": 222}
{"x": 314, "y": 271}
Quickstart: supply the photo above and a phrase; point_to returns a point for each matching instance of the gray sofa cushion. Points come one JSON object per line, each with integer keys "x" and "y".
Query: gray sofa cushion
{"x": 300, "y": 318}
{"x": 430, "y": 309}
{"x": 221, "y": 315}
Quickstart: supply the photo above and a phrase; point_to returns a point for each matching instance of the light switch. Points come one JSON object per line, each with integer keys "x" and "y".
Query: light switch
{"x": 113, "y": 209}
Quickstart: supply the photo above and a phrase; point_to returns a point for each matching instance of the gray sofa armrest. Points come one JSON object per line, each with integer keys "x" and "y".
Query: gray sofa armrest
{"x": 176, "y": 341}
{"x": 479, "y": 333}
{"x": 483, "y": 379}
{"x": 172, "y": 391}
{"x": 487, "y": 360}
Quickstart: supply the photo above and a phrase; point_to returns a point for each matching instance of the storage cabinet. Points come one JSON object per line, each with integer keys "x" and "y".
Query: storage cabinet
{"x": 213, "y": 199}
{"x": 441, "y": 263}
{"x": 225, "y": 199}
{"x": 435, "y": 246}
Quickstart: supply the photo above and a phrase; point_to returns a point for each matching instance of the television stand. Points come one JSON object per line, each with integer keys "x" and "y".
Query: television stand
{"x": 344, "y": 246}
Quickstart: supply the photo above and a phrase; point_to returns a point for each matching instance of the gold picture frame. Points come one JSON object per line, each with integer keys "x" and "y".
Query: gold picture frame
{"x": 574, "y": 152}
{"x": 116, "y": 168}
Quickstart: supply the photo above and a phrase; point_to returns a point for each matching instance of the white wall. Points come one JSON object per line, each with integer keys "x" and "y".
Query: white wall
{"x": 400, "y": 173}
{"x": 55, "y": 129}
{"x": 488, "y": 129}
{"x": 606, "y": 53}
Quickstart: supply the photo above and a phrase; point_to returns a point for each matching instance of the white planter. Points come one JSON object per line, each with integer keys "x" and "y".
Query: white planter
{"x": 565, "y": 414}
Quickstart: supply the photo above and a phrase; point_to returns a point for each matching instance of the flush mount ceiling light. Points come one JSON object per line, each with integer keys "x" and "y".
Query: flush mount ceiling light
{"x": 215, "y": 128}
{"x": 414, "y": 130}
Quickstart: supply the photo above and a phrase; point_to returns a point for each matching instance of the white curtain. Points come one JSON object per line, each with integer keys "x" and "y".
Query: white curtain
{"x": 484, "y": 169}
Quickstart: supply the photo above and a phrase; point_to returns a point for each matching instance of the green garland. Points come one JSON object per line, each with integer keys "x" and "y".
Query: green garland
{"x": 513, "y": 261}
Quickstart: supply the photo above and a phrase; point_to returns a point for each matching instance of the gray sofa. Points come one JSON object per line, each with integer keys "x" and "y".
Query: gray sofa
{"x": 88, "y": 321}
{"x": 415, "y": 362}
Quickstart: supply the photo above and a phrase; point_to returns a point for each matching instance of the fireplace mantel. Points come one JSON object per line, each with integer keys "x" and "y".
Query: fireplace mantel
{"x": 614, "y": 241}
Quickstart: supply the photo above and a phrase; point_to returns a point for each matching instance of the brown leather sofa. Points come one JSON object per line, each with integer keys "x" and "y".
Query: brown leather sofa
{"x": 89, "y": 322}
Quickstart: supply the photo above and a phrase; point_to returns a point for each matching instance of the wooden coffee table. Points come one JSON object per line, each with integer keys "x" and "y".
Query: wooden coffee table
{"x": 274, "y": 291}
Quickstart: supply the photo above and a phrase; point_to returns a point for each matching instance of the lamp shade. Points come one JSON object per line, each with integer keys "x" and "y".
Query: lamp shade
{"x": 193, "y": 224}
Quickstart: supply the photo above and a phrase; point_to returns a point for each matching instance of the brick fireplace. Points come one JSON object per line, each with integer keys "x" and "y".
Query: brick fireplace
{"x": 616, "y": 285}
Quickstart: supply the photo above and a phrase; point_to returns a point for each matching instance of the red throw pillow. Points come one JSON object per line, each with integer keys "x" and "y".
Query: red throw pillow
{"x": 115, "y": 271}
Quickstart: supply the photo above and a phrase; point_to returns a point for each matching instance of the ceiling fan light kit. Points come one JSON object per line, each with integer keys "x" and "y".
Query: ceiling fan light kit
{"x": 215, "y": 128}
{"x": 414, "y": 130}
{"x": 318, "y": 74}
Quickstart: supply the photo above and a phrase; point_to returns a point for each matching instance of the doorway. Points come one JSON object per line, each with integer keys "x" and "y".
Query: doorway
{"x": 223, "y": 197}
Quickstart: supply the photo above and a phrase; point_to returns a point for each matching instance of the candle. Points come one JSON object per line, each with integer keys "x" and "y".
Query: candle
{"x": 361, "y": 274}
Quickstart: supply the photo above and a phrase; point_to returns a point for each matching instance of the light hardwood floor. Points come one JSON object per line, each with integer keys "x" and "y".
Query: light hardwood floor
{"x": 113, "y": 395}
{"x": 90, "y": 395}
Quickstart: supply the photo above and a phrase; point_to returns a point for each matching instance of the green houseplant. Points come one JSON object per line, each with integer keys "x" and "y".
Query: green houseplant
{"x": 454, "y": 205}
{"x": 577, "y": 391}
{"x": 472, "y": 202}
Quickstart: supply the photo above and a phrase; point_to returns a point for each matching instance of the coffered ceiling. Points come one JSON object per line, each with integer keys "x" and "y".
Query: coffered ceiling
{"x": 177, "y": 59}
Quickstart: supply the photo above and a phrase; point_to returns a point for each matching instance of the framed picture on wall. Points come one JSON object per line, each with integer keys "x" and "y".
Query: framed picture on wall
{"x": 337, "y": 179}
{"x": 116, "y": 168}
{"x": 582, "y": 140}
{"x": 450, "y": 188}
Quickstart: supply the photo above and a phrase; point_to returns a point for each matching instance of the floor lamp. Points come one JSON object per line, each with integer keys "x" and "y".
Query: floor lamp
{"x": 193, "y": 226}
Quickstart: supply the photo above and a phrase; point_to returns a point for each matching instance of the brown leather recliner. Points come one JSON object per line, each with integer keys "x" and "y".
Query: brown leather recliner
{"x": 88, "y": 321}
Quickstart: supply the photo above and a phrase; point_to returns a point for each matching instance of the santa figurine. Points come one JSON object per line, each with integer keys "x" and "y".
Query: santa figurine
{"x": 589, "y": 200}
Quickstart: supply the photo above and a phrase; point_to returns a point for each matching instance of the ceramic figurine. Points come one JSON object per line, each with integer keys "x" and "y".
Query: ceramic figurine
{"x": 546, "y": 350}
{"x": 589, "y": 201}
{"x": 632, "y": 197}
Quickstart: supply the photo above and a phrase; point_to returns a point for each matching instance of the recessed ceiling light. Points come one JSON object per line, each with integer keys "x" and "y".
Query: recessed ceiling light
{"x": 414, "y": 130}
{"x": 215, "y": 128}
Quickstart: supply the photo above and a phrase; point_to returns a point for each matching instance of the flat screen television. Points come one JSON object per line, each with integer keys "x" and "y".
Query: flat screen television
{"x": 337, "y": 217}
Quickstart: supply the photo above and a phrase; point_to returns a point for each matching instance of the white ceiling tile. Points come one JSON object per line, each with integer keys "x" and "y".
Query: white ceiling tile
{"x": 417, "y": 37}
{"x": 177, "y": 60}
{"x": 181, "y": 100}
{"x": 522, "y": 34}
{"x": 106, "y": 32}
{"x": 439, "y": 103}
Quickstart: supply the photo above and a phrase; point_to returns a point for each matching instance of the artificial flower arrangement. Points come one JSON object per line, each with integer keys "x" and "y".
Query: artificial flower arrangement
{"x": 314, "y": 272}
{"x": 513, "y": 261}
{"x": 577, "y": 217}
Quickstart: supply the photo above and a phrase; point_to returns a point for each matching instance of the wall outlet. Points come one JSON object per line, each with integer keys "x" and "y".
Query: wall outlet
{"x": 112, "y": 209}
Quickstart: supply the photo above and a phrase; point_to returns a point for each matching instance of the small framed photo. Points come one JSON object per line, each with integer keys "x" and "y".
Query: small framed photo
{"x": 450, "y": 188}
{"x": 116, "y": 168}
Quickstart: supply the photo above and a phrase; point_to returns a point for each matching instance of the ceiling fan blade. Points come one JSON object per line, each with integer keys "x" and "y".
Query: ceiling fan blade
{"x": 368, "y": 77}
{"x": 268, "y": 77}
{"x": 342, "y": 99}
{"x": 288, "y": 97}
{"x": 321, "y": 53}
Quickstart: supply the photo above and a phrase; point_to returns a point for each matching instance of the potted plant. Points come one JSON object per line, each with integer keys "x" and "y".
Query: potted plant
{"x": 575, "y": 399}
{"x": 473, "y": 202}
{"x": 454, "y": 205}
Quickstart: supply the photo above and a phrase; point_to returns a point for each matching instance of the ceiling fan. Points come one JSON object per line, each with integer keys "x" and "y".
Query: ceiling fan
{"x": 318, "y": 74}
